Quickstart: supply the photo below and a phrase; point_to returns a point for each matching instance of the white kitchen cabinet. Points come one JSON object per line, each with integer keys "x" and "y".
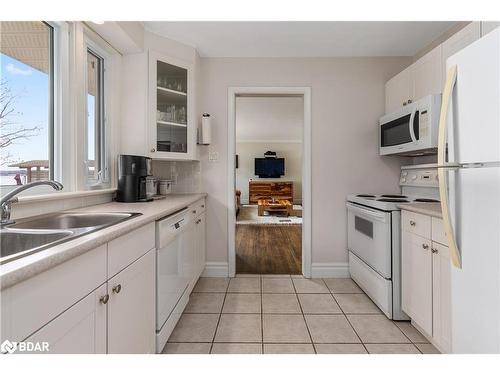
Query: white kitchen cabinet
{"x": 426, "y": 277}
{"x": 171, "y": 119}
{"x": 158, "y": 110}
{"x": 200, "y": 235}
{"x": 131, "y": 308}
{"x": 457, "y": 41}
{"x": 441, "y": 296}
{"x": 398, "y": 90}
{"x": 427, "y": 74}
{"x": 417, "y": 280}
{"x": 79, "y": 330}
{"x": 488, "y": 26}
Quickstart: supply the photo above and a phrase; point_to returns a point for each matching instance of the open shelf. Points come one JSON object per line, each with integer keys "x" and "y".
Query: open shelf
{"x": 169, "y": 123}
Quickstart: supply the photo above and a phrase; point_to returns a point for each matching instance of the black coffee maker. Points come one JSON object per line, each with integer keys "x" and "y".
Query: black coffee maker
{"x": 132, "y": 173}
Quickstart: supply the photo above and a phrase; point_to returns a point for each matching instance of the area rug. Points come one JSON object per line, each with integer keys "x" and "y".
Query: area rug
{"x": 248, "y": 215}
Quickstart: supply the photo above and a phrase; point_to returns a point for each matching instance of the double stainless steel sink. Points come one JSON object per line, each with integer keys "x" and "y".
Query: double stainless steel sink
{"x": 32, "y": 235}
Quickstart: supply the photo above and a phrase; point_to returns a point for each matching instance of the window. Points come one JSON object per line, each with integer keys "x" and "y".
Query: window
{"x": 26, "y": 102}
{"x": 95, "y": 161}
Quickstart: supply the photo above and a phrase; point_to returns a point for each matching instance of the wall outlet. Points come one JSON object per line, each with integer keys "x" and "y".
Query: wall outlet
{"x": 213, "y": 156}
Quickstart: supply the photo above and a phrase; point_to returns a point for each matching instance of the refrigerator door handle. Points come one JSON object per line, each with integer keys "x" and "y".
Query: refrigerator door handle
{"x": 451, "y": 79}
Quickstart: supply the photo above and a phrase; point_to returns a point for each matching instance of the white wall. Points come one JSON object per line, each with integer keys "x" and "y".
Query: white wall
{"x": 347, "y": 100}
{"x": 248, "y": 151}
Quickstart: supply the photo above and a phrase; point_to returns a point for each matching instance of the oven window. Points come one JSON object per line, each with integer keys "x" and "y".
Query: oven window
{"x": 364, "y": 226}
{"x": 396, "y": 132}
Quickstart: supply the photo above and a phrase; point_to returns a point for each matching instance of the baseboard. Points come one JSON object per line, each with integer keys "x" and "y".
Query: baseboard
{"x": 330, "y": 270}
{"x": 216, "y": 269}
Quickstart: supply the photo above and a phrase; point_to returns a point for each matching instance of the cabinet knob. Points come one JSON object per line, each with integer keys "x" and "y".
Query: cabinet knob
{"x": 104, "y": 299}
{"x": 116, "y": 289}
{"x": 202, "y": 206}
{"x": 194, "y": 211}
{"x": 425, "y": 246}
{"x": 153, "y": 149}
{"x": 412, "y": 223}
{"x": 404, "y": 103}
{"x": 434, "y": 251}
{"x": 410, "y": 101}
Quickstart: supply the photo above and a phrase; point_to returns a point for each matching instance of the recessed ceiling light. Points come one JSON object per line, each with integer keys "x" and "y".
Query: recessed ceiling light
{"x": 97, "y": 22}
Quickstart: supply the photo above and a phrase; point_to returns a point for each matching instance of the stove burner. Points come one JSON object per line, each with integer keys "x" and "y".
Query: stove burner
{"x": 426, "y": 200}
{"x": 365, "y": 196}
{"x": 394, "y": 200}
{"x": 393, "y": 196}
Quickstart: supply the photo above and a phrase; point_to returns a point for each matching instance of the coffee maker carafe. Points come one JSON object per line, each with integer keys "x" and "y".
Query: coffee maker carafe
{"x": 132, "y": 178}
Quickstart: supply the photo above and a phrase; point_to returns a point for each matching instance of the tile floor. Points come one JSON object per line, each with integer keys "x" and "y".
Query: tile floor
{"x": 283, "y": 314}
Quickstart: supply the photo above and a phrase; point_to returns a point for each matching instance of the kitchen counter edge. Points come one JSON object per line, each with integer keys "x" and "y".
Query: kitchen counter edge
{"x": 14, "y": 272}
{"x": 430, "y": 209}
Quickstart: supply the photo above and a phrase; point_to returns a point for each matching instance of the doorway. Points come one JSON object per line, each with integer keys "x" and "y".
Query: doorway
{"x": 269, "y": 192}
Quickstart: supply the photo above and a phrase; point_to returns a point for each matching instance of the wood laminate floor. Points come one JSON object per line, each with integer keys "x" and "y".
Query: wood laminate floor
{"x": 269, "y": 249}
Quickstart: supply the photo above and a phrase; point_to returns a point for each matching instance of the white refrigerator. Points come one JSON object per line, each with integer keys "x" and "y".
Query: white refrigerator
{"x": 469, "y": 177}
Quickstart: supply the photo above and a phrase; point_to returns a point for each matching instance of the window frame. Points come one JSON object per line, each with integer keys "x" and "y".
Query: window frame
{"x": 57, "y": 54}
{"x": 97, "y": 46}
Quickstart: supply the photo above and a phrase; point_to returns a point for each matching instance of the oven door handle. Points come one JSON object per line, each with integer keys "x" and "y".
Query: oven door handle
{"x": 410, "y": 124}
{"x": 367, "y": 212}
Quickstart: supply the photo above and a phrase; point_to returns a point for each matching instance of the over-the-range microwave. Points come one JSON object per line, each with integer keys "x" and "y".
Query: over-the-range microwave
{"x": 412, "y": 130}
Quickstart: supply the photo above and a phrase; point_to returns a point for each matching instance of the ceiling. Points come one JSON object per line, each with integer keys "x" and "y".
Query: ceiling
{"x": 269, "y": 119}
{"x": 302, "y": 39}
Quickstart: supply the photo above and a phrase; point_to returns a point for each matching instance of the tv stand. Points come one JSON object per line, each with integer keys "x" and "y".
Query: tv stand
{"x": 269, "y": 190}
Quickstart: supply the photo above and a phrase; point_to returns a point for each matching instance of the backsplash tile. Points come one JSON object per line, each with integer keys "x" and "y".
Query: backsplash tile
{"x": 186, "y": 175}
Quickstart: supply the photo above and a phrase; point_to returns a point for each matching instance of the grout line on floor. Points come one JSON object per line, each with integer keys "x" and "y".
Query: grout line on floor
{"x": 220, "y": 316}
{"x": 304, "y": 317}
{"x": 348, "y": 321}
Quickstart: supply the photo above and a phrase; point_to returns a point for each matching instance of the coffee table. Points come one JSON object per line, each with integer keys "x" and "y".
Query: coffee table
{"x": 274, "y": 206}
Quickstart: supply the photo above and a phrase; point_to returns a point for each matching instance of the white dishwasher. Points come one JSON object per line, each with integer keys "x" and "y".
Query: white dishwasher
{"x": 173, "y": 273}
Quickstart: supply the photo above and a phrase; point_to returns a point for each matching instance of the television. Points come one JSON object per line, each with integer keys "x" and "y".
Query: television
{"x": 269, "y": 167}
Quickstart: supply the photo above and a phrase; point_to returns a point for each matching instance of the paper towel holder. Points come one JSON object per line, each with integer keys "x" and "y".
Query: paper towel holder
{"x": 205, "y": 131}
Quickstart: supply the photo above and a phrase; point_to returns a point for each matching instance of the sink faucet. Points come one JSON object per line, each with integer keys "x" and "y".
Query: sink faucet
{"x": 9, "y": 198}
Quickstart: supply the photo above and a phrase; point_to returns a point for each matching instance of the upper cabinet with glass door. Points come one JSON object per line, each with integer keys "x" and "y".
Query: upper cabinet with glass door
{"x": 172, "y": 132}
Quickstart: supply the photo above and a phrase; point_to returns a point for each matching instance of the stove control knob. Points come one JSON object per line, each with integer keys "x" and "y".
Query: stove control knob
{"x": 413, "y": 177}
{"x": 403, "y": 180}
{"x": 404, "y": 173}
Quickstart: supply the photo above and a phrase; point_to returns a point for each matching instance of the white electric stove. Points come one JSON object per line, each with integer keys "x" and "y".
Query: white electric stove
{"x": 373, "y": 236}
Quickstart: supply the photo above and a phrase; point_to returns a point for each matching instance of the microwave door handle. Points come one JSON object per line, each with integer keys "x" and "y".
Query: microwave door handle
{"x": 451, "y": 79}
{"x": 410, "y": 124}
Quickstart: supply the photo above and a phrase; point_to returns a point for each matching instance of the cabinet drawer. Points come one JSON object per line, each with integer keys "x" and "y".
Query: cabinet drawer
{"x": 124, "y": 250}
{"x": 198, "y": 207}
{"x": 416, "y": 224}
{"x": 29, "y": 305}
{"x": 438, "y": 232}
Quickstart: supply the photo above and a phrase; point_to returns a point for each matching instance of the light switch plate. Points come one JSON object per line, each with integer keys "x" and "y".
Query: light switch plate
{"x": 213, "y": 156}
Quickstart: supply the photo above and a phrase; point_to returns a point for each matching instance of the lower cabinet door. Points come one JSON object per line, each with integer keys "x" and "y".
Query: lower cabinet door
{"x": 131, "y": 308}
{"x": 417, "y": 280}
{"x": 79, "y": 330}
{"x": 201, "y": 237}
{"x": 441, "y": 296}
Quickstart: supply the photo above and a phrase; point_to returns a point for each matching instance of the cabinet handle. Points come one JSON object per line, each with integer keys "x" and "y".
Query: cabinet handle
{"x": 104, "y": 299}
{"x": 116, "y": 289}
{"x": 434, "y": 251}
{"x": 412, "y": 223}
{"x": 425, "y": 246}
{"x": 153, "y": 150}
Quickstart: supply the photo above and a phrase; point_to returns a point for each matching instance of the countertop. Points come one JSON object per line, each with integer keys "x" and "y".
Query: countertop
{"x": 21, "y": 269}
{"x": 431, "y": 209}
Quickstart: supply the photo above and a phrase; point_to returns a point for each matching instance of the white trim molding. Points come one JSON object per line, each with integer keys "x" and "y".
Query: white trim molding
{"x": 330, "y": 270}
{"x": 216, "y": 269}
{"x": 304, "y": 92}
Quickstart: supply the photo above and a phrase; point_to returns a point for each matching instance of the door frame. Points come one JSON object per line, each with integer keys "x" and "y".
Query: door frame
{"x": 305, "y": 93}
